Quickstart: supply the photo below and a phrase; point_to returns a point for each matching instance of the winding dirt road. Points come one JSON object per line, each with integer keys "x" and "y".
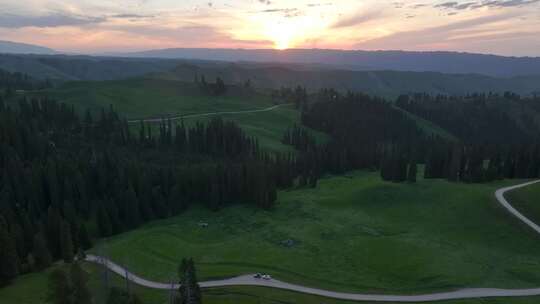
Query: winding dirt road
{"x": 249, "y": 280}
{"x": 178, "y": 117}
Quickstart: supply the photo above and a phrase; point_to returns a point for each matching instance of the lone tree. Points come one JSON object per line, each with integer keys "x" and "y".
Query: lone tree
{"x": 189, "y": 291}
{"x": 413, "y": 170}
{"x": 220, "y": 88}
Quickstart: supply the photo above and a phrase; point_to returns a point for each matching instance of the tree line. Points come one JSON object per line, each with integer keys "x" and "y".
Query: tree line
{"x": 371, "y": 133}
{"x": 479, "y": 118}
{"x": 11, "y": 82}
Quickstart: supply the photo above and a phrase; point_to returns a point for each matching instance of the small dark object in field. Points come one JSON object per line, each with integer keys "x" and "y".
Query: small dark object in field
{"x": 289, "y": 243}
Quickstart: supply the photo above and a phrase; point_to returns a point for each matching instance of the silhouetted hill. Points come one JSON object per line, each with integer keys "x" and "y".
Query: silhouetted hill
{"x": 63, "y": 67}
{"x": 443, "y": 62}
{"x": 8, "y": 47}
{"x": 264, "y": 75}
{"x": 386, "y": 83}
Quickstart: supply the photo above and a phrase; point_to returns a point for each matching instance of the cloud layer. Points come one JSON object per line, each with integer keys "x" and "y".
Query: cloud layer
{"x": 510, "y": 27}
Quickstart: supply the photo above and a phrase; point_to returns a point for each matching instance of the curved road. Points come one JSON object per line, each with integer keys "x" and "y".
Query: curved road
{"x": 248, "y": 280}
{"x": 177, "y": 117}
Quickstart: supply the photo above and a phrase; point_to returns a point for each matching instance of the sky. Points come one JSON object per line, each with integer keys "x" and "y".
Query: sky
{"x": 504, "y": 27}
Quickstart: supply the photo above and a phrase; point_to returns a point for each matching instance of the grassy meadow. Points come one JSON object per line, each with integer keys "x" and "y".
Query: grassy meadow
{"x": 351, "y": 233}
{"x": 155, "y": 98}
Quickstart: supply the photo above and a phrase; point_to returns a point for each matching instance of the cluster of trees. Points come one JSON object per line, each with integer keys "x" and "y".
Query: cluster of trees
{"x": 300, "y": 138}
{"x": 61, "y": 175}
{"x": 482, "y": 163}
{"x": 359, "y": 126}
{"x": 10, "y": 82}
{"x": 69, "y": 288}
{"x": 298, "y": 96}
{"x": 399, "y": 164}
{"x": 479, "y": 118}
{"x": 217, "y": 88}
{"x": 369, "y": 133}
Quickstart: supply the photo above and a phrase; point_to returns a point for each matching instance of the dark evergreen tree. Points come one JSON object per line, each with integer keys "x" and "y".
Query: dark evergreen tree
{"x": 413, "y": 171}
{"x": 9, "y": 261}
{"x": 84, "y": 239}
{"x": 66, "y": 243}
{"x": 41, "y": 253}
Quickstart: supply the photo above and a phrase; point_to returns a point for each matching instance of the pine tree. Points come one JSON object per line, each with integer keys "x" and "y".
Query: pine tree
{"x": 42, "y": 255}
{"x": 66, "y": 243}
{"x": 131, "y": 203}
{"x": 54, "y": 222}
{"x": 104, "y": 223}
{"x": 413, "y": 170}
{"x": 84, "y": 238}
{"x": 8, "y": 255}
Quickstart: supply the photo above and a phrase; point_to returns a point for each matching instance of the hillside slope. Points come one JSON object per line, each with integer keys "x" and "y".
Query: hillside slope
{"x": 8, "y": 47}
{"x": 82, "y": 67}
{"x": 384, "y": 83}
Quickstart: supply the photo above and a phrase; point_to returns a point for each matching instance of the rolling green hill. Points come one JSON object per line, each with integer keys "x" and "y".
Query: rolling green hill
{"x": 382, "y": 83}
{"x": 146, "y": 98}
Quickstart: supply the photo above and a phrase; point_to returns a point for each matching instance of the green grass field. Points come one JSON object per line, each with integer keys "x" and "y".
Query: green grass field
{"x": 32, "y": 289}
{"x": 142, "y": 97}
{"x": 352, "y": 233}
{"x": 527, "y": 201}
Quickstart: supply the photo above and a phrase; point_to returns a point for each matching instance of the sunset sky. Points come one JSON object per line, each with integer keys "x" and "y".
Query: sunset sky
{"x": 508, "y": 27}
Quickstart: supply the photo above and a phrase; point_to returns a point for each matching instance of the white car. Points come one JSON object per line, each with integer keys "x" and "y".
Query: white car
{"x": 266, "y": 277}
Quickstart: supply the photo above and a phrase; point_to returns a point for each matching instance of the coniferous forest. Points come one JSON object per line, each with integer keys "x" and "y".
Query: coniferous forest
{"x": 62, "y": 174}
{"x": 68, "y": 178}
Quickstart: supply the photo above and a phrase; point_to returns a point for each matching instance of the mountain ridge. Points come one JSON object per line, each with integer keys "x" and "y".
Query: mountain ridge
{"x": 431, "y": 61}
{"x": 10, "y": 47}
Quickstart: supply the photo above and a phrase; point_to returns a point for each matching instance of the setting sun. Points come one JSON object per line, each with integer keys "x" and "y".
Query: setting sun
{"x": 289, "y": 33}
{"x": 282, "y": 35}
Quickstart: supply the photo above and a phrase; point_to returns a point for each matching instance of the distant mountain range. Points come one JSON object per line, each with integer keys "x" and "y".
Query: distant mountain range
{"x": 443, "y": 62}
{"x": 8, "y": 47}
{"x": 264, "y": 75}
